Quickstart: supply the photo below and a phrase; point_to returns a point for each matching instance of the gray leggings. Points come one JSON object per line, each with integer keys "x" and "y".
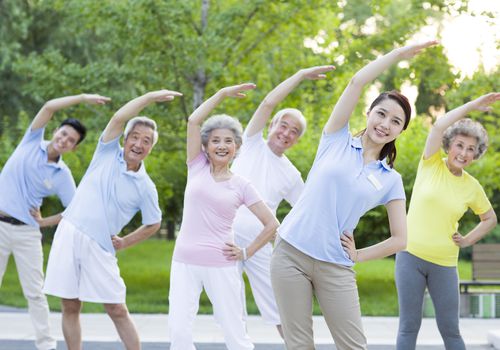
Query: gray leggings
{"x": 412, "y": 276}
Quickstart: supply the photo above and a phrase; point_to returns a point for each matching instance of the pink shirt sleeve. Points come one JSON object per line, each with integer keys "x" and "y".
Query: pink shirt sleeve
{"x": 250, "y": 194}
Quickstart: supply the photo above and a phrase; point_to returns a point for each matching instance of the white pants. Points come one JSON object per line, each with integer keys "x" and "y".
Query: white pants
{"x": 223, "y": 286}
{"x": 258, "y": 270}
{"x": 24, "y": 242}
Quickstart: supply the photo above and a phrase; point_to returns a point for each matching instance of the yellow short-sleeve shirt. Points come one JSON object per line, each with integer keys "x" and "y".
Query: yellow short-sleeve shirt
{"x": 439, "y": 199}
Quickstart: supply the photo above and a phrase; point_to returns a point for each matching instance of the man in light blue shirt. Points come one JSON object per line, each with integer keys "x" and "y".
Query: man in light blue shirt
{"x": 82, "y": 264}
{"x": 35, "y": 170}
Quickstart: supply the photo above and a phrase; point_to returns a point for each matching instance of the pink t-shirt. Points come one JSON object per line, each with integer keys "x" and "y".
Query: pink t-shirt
{"x": 209, "y": 211}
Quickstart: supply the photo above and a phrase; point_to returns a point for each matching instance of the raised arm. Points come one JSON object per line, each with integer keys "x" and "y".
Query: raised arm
{"x": 435, "y": 137}
{"x": 50, "y": 107}
{"x": 132, "y": 108}
{"x": 396, "y": 211}
{"x": 201, "y": 113}
{"x": 259, "y": 119}
{"x": 350, "y": 97}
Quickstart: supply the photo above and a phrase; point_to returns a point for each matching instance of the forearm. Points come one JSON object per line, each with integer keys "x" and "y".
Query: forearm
{"x": 280, "y": 92}
{"x": 202, "y": 112}
{"x": 139, "y": 235}
{"x": 50, "y": 220}
{"x": 452, "y": 116}
{"x": 265, "y": 236}
{"x": 481, "y": 230}
{"x": 131, "y": 109}
{"x": 385, "y": 248}
{"x": 50, "y": 107}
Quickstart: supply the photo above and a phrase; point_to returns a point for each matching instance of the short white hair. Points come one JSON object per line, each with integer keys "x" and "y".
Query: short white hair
{"x": 293, "y": 112}
{"x": 150, "y": 123}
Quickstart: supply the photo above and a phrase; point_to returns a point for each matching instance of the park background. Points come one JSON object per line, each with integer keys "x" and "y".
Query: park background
{"x": 122, "y": 49}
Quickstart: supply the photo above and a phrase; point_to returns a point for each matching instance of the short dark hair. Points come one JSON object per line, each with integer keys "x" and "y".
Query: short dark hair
{"x": 77, "y": 125}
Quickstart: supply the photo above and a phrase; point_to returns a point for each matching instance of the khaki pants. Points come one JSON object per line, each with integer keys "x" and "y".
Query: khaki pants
{"x": 295, "y": 277}
{"x": 24, "y": 242}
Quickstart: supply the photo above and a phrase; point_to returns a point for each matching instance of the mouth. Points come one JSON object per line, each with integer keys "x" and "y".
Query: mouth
{"x": 381, "y": 132}
{"x": 221, "y": 153}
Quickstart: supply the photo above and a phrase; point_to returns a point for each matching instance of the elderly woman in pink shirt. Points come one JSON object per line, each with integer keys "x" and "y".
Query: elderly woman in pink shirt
{"x": 205, "y": 255}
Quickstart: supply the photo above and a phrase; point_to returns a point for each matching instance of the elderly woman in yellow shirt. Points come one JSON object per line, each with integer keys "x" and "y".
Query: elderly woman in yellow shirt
{"x": 442, "y": 193}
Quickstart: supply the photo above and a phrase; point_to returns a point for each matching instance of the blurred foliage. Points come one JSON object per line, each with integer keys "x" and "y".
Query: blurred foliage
{"x": 124, "y": 48}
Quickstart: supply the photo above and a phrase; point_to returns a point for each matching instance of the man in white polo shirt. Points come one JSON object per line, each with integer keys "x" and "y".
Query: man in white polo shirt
{"x": 35, "y": 170}
{"x": 82, "y": 264}
{"x": 264, "y": 163}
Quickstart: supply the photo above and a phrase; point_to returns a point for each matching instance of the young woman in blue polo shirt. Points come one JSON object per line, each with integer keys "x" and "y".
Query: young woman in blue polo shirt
{"x": 350, "y": 176}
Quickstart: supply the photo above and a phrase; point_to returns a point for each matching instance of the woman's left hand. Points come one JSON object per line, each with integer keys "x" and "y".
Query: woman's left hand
{"x": 233, "y": 252}
{"x": 460, "y": 240}
{"x": 349, "y": 245}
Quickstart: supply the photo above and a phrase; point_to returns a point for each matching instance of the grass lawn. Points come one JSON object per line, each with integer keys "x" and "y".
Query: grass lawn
{"x": 146, "y": 267}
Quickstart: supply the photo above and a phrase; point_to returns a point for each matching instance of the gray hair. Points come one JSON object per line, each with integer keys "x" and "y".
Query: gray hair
{"x": 470, "y": 128}
{"x": 221, "y": 121}
{"x": 293, "y": 112}
{"x": 150, "y": 123}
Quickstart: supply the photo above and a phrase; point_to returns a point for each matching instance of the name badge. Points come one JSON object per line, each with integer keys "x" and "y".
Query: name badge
{"x": 374, "y": 181}
{"x": 47, "y": 184}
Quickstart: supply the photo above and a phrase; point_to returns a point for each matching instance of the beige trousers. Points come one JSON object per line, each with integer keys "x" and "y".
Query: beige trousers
{"x": 296, "y": 277}
{"x": 24, "y": 242}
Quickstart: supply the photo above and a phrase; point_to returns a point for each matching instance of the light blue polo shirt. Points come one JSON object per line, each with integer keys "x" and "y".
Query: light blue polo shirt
{"x": 338, "y": 191}
{"x": 109, "y": 196}
{"x": 27, "y": 177}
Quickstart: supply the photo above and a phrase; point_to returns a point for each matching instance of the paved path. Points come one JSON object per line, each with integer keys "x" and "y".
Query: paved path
{"x": 16, "y": 332}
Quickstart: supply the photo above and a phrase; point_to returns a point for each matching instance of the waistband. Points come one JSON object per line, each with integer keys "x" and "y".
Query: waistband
{"x": 11, "y": 220}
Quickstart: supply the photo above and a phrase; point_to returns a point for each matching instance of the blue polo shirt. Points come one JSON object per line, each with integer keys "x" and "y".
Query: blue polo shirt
{"x": 338, "y": 191}
{"x": 27, "y": 177}
{"x": 109, "y": 196}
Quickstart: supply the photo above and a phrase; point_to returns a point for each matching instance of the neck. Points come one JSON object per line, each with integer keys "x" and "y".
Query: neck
{"x": 133, "y": 166}
{"x": 278, "y": 151}
{"x": 371, "y": 150}
{"x": 220, "y": 172}
{"x": 52, "y": 155}
{"x": 454, "y": 171}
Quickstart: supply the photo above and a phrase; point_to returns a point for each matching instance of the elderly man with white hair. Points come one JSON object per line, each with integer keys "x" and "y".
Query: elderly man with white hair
{"x": 82, "y": 264}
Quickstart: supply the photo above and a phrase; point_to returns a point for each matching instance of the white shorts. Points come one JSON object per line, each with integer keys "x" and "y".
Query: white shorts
{"x": 78, "y": 268}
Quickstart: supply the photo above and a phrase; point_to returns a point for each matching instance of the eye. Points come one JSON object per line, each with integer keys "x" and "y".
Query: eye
{"x": 380, "y": 113}
{"x": 396, "y": 121}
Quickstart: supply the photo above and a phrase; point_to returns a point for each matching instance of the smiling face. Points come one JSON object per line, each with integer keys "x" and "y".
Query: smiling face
{"x": 64, "y": 140}
{"x": 385, "y": 122}
{"x": 461, "y": 153}
{"x": 284, "y": 134}
{"x": 137, "y": 146}
{"x": 221, "y": 147}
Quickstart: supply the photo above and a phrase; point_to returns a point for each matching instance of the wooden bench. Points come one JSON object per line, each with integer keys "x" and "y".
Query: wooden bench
{"x": 485, "y": 267}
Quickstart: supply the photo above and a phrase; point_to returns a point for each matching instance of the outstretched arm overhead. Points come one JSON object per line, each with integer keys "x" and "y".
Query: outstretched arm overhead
{"x": 201, "y": 113}
{"x": 433, "y": 143}
{"x": 132, "y": 108}
{"x": 350, "y": 97}
{"x": 278, "y": 94}
{"x": 50, "y": 107}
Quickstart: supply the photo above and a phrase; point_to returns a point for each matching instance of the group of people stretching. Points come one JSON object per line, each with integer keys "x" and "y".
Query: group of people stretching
{"x": 236, "y": 180}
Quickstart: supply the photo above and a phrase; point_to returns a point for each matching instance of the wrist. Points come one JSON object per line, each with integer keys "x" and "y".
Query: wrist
{"x": 244, "y": 253}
